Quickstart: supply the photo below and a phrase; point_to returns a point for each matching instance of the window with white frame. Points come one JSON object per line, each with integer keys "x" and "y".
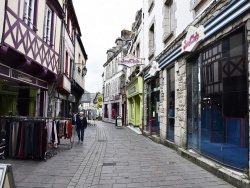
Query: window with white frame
{"x": 47, "y": 25}
{"x": 29, "y": 6}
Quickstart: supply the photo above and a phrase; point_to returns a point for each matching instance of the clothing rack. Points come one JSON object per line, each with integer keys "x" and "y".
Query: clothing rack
{"x": 70, "y": 145}
{"x": 26, "y": 123}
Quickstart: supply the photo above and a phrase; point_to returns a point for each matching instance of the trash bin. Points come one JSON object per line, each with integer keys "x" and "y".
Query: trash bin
{"x": 118, "y": 122}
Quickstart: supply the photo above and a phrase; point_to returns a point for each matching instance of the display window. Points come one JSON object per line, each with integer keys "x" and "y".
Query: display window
{"x": 171, "y": 104}
{"x": 218, "y": 120}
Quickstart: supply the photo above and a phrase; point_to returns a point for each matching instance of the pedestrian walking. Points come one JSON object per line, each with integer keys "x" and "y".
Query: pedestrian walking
{"x": 81, "y": 125}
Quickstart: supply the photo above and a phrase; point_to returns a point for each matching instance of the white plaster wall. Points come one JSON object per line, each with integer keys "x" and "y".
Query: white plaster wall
{"x": 78, "y": 76}
{"x": 40, "y": 17}
{"x": 57, "y": 34}
{"x": 183, "y": 15}
{"x": 155, "y": 14}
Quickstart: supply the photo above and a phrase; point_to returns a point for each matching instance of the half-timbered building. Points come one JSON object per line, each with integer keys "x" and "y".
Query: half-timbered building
{"x": 30, "y": 35}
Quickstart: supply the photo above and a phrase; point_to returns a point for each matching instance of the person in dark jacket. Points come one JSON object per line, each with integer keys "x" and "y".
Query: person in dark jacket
{"x": 81, "y": 125}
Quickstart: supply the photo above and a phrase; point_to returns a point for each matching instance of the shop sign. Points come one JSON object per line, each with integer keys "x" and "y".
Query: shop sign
{"x": 119, "y": 121}
{"x": 8, "y": 72}
{"x": 130, "y": 61}
{"x": 132, "y": 90}
{"x": 66, "y": 84}
{"x": 192, "y": 39}
{"x": 154, "y": 68}
{"x": 23, "y": 77}
{"x": 117, "y": 97}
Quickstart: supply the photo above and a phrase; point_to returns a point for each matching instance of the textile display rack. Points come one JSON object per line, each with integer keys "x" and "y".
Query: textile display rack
{"x": 33, "y": 137}
{"x": 65, "y": 130}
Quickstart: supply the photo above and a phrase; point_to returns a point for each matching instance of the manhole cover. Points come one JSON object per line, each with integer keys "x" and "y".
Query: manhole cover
{"x": 109, "y": 164}
{"x": 101, "y": 140}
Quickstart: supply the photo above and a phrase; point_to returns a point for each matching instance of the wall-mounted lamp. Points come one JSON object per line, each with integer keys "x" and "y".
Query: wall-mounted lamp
{"x": 84, "y": 71}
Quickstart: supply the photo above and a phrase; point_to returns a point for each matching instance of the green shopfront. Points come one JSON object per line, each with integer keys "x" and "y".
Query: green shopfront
{"x": 134, "y": 98}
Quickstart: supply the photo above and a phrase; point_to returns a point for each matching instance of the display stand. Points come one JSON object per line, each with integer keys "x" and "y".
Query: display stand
{"x": 118, "y": 123}
{"x": 70, "y": 144}
{"x": 50, "y": 152}
{"x": 6, "y": 176}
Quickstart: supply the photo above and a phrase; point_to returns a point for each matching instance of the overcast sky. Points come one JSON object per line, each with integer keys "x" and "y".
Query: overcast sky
{"x": 101, "y": 22}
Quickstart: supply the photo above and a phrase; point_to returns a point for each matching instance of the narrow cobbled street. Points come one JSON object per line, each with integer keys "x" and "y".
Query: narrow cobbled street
{"x": 112, "y": 158}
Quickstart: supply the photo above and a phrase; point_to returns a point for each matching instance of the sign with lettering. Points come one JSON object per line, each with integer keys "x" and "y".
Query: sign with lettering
{"x": 130, "y": 61}
{"x": 7, "y": 72}
{"x": 132, "y": 90}
{"x": 23, "y": 77}
{"x": 192, "y": 39}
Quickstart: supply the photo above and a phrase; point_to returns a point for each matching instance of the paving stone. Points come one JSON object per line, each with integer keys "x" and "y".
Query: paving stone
{"x": 112, "y": 158}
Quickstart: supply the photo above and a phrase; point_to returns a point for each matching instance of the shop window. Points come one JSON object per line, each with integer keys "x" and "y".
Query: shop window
{"x": 218, "y": 125}
{"x": 171, "y": 104}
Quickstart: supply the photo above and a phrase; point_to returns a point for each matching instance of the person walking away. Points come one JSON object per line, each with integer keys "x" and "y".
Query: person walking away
{"x": 81, "y": 125}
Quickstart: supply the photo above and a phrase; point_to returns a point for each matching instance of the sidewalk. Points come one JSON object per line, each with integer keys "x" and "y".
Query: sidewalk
{"x": 112, "y": 158}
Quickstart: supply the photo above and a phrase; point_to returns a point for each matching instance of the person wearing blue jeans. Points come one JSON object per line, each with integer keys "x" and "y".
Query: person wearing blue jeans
{"x": 81, "y": 125}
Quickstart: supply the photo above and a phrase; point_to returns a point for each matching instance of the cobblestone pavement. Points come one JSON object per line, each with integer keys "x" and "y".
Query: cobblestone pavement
{"x": 112, "y": 158}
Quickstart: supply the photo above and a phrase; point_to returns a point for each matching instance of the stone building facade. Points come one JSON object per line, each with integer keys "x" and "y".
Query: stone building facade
{"x": 209, "y": 86}
{"x": 203, "y": 79}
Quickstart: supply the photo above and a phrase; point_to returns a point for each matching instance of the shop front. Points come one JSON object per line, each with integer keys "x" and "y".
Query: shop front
{"x": 218, "y": 119}
{"x": 206, "y": 81}
{"x": 112, "y": 108}
{"x": 21, "y": 94}
{"x": 134, "y": 97}
{"x": 76, "y": 94}
{"x": 62, "y": 102}
{"x": 152, "y": 102}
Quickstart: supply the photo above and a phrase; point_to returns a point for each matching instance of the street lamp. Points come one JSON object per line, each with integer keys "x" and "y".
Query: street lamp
{"x": 84, "y": 71}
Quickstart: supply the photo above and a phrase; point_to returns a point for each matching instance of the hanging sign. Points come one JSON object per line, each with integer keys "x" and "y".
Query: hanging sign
{"x": 154, "y": 68}
{"x": 192, "y": 39}
{"x": 130, "y": 61}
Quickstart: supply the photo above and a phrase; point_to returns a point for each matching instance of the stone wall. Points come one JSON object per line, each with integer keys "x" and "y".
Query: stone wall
{"x": 180, "y": 103}
{"x": 163, "y": 103}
